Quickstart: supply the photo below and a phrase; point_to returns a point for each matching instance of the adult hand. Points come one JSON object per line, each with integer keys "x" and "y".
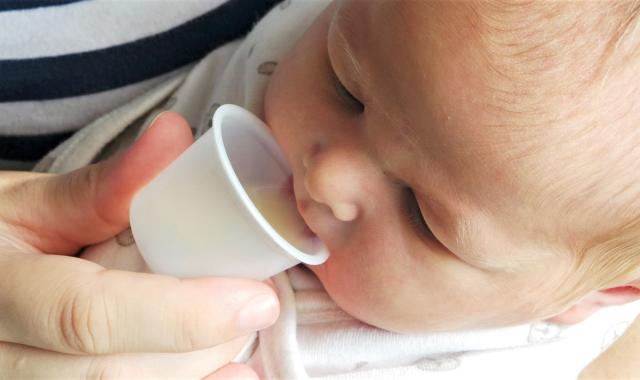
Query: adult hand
{"x": 62, "y": 316}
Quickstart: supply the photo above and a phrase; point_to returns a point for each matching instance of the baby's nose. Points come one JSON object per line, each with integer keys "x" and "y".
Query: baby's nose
{"x": 334, "y": 178}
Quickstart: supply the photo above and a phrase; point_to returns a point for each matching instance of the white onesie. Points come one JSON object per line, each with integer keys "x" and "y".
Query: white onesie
{"x": 314, "y": 337}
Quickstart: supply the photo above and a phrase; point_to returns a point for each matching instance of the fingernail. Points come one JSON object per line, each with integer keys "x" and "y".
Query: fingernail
{"x": 260, "y": 312}
{"x": 155, "y": 118}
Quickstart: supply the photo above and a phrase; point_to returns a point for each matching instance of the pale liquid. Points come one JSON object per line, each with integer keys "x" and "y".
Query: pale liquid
{"x": 281, "y": 213}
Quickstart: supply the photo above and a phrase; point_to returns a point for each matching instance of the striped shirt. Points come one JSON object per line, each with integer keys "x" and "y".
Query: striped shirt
{"x": 63, "y": 63}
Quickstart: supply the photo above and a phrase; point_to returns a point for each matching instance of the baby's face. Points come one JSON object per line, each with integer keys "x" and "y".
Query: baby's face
{"x": 389, "y": 114}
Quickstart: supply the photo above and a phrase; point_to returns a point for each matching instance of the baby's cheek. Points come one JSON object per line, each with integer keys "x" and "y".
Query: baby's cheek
{"x": 361, "y": 286}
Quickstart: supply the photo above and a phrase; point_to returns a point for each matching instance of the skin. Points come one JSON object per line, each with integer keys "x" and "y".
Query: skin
{"x": 496, "y": 250}
{"x": 620, "y": 360}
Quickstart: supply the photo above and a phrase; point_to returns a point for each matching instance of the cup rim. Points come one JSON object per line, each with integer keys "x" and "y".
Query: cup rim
{"x": 262, "y": 132}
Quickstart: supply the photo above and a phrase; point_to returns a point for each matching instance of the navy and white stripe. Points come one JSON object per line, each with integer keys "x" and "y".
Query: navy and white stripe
{"x": 63, "y": 63}
{"x": 12, "y": 5}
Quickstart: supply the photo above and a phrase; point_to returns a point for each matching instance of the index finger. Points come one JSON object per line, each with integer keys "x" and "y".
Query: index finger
{"x": 67, "y": 304}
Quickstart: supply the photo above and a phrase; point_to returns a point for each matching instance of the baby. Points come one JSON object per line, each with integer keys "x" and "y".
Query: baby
{"x": 468, "y": 164}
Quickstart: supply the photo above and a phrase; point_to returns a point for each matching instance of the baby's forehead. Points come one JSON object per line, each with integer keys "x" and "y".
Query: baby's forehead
{"x": 514, "y": 67}
{"x": 526, "y": 43}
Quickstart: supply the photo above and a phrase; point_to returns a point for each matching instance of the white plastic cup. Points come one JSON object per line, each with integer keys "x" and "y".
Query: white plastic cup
{"x": 196, "y": 218}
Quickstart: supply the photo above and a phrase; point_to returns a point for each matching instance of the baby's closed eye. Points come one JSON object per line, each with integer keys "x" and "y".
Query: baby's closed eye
{"x": 345, "y": 96}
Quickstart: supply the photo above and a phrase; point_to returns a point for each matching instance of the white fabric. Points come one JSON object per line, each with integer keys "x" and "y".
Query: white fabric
{"x": 314, "y": 338}
{"x": 335, "y": 346}
{"x": 104, "y": 23}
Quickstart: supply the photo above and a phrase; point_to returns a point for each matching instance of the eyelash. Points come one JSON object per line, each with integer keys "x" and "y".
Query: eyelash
{"x": 412, "y": 210}
{"x": 346, "y": 96}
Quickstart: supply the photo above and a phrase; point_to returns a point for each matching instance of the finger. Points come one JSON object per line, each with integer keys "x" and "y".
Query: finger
{"x": 233, "y": 371}
{"x": 9, "y": 179}
{"x": 92, "y": 203}
{"x": 23, "y": 362}
{"x": 67, "y": 304}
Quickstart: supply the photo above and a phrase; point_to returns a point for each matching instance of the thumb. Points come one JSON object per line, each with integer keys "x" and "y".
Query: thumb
{"x": 62, "y": 213}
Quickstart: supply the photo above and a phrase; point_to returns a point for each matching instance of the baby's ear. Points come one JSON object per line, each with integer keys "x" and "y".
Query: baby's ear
{"x": 597, "y": 300}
